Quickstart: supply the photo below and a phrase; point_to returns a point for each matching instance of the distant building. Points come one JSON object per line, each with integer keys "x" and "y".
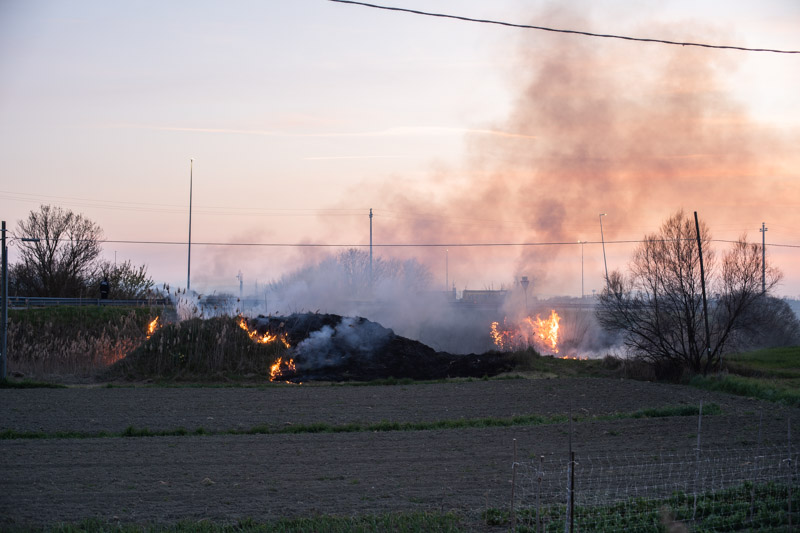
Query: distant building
{"x": 486, "y": 298}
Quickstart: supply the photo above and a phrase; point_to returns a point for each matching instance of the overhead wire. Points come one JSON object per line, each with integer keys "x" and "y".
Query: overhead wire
{"x": 180, "y": 209}
{"x": 410, "y": 245}
{"x": 559, "y": 30}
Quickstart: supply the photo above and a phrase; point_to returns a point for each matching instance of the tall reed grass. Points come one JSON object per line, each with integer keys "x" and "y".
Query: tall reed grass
{"x": 198, "y": 349}
{"x": 43, "y": 343}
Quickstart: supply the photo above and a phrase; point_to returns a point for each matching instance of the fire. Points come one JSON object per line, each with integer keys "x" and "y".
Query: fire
{"x": 547, "y": 330}
{"x": 527, "y": 333}
{"x": 152, "y": 327}
{"x": 277, "y": 369}
{"x": 265, "y": 338}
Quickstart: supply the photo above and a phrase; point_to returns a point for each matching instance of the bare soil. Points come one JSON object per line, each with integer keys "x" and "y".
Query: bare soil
{"x": 227, "y": 477}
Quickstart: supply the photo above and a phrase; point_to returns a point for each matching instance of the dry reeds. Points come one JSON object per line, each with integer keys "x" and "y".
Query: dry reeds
{"x": 44, "y": 343}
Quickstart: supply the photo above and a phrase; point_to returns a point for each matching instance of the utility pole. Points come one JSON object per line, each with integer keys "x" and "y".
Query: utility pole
{"x": 703, "y": 285}
{"x": 370, "y": 249}
{"x": 763, "y": 231}
{"x": 4, "y": 311}
{"x": 189, "y": 257}
{"x": 603, "y": 240}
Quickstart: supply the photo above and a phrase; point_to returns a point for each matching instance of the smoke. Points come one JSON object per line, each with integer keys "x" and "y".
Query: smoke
{"x": 597, "y": 126}
{"x": 352, "y": 337}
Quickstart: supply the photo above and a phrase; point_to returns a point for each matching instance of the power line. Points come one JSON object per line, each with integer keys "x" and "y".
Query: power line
{"x": 403, "y": 245}
{"x": 556, "y": 30}
{"x": 180, "y": 209}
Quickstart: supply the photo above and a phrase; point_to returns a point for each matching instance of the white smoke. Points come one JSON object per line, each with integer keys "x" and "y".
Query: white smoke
{"x": 351, "y": 337}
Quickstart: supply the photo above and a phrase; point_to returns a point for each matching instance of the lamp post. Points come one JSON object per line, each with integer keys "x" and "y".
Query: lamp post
{"x": 446, "y": 270}
{"x": 603, "y": 240}
{"x": 524, "y": 282}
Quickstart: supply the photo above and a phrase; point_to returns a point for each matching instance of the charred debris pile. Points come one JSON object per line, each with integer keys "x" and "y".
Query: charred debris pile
{"x": 327, "y": 347}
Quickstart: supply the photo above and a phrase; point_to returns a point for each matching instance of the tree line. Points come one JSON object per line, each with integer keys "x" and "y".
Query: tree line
{"x": 658, "y": 311}
{"x": 59, "y": 257}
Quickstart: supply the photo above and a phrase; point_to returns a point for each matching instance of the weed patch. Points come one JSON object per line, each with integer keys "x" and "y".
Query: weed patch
{"x": 407, "y": 522}
{"x": 384, "y": 425}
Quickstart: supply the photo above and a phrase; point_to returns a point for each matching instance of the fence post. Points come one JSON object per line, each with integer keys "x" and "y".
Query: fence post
{"x": 571, "y": 491}
{"x": 539, "y": 494}
{"x": 789, "y": 464}
{"x": 697, "y": 459}
{"x": 755, "y": 467}
{"x": 513, "y": 484}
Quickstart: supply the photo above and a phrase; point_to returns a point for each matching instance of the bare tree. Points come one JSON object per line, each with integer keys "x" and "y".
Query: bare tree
{"x": 126, "y": 280}
{"x": 63, "y": 259}
{"x": 658, "y": 308}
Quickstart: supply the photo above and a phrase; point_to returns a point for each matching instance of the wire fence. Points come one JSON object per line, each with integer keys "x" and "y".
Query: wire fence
{"x": 743, "y": 489}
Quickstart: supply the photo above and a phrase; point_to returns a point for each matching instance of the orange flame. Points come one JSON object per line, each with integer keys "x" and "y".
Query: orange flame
{"x": 527, "y": 333}
{"x": 280, "y": 366}
{"x": 547, "y": 330}
{"x": 152, "y": 327}
{"x": 266, "y": 338}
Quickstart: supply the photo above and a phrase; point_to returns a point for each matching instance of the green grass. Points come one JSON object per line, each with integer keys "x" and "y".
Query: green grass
{"x": 771, "y": 374}
{"x": 29, "y": 384}
{"x": 780, "y": 363}
{"x": 551, "y": 366}
{"x": 354, "y": 427}
{"x": 410, "y": 522}
{"x": 779, "y": 391}
{"x": 723, "y": 510}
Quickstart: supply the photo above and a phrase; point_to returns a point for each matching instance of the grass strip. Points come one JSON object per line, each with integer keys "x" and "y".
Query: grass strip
{"x": 745, "y": 507}
{"x": 784, "y": 392}
{"x": 410, "y": 522}
{"x": 354, "y": 427}
{"x": 28, "y": 384}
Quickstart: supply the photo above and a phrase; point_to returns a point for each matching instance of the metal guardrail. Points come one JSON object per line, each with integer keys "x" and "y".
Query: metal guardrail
{"x": 26, "y": 302}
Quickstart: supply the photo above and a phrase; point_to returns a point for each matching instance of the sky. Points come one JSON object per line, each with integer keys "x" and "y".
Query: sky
{"x": 300, "y": 116}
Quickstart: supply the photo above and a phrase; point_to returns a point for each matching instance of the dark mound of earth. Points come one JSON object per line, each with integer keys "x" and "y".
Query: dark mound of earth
{"x": 327, "y": 347}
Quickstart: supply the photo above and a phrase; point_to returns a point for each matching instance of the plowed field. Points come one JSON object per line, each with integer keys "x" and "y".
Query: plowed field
{"x": 224, "y": 477}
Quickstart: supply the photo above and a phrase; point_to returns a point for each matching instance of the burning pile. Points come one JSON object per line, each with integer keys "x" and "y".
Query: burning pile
{"x": 335, "y": 348}
{"x": 529, "y": 332}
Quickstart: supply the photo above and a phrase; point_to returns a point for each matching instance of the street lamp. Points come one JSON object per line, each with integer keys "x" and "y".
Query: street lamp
{"x": 524, "y": 282}
{"x": 602, "y": 239}
{"x": 446, "y": 270}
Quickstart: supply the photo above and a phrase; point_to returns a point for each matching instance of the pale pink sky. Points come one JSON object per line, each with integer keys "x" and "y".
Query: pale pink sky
{"x": 302, "y": 115}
